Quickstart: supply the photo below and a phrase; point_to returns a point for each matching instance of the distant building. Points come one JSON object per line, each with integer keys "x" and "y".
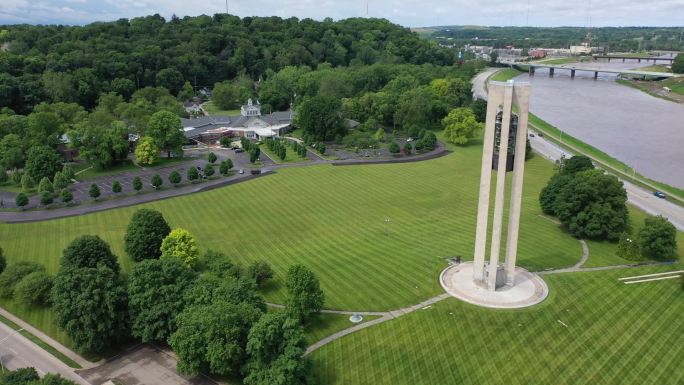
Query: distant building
{"x": 537, "y": 53}
{"x": 192, "y": 107}
{"x": 250, "y": 124}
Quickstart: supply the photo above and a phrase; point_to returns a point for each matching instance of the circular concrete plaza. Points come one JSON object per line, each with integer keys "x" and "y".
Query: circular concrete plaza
{"x": 528, "y": 289}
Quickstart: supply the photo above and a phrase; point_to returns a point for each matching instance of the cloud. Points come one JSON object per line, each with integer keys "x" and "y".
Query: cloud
{"x": 406, "y": 12}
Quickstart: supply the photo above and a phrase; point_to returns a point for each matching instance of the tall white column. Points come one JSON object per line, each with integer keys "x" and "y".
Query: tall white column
{"x": 499, "y": 198}
{"x": 494, "y": 99}
{"x": 521, "y": 99}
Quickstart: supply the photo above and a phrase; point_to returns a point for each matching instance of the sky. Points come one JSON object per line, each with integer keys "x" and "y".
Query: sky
{"x": 410, "y": 13}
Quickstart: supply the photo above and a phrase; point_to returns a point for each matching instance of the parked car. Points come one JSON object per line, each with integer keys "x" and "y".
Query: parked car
{"x": 242, "y": 171}
{"x": 239, "y": 150}
{"x": 541, "y": 134}
{"x": 660, "y": 194}
{"x": 256, "y": 172}
{"x": 531, "y": 135}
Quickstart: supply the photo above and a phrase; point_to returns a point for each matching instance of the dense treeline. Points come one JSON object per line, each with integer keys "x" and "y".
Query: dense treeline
{"x": 613, "y": 38}
{"x": 77, "y": 64}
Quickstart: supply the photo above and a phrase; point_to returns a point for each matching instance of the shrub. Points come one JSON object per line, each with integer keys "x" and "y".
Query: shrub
{"x": 175, "y": 178}
{"x": 94, "y": 191}
{"x": 193, "y": 175}
{"x": 209, "y": 170}
{"x": 66, "y": 196}
{"x": 658, "y": 238}
{"x": 260, "y": 272}
{"x": 225, "y": 166}
{"x": 13, "y": 274}
{"x": 34, "y": 289}
{"x": 116, "y": 187}
{"x": 45, "y": 186}
{"x": 21, "y": 200}
{"x": 211, "y": 157}
{"x": 226, "y": 141}
{"x": 27, "y": 183}
{"x": 156, "y": 181}
{"x": 394, "y": 148}
{"x": 46, "y": 198}
{"x": 137, "y": 183}
{"x": 407, "y": 148}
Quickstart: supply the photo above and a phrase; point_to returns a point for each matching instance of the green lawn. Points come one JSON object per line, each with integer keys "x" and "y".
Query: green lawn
{"x": 290, "y": 155}
{"x": 332, "y": 219}
{"x": 88, "y": 172}
{"x": 655, "y": 68}
{"x": 613, "y": 334}
{"x": 213, "y": 109}
{"x": 505, "y": 75}
{"x": 564, "y": 60}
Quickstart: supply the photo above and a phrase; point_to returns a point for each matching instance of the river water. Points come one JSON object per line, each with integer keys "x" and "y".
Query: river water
{"x": 642, "y": 131}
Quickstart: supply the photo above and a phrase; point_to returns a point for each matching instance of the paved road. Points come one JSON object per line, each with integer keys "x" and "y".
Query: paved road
{"x": 636, "y": 195}
{"x": 16, "y": 351}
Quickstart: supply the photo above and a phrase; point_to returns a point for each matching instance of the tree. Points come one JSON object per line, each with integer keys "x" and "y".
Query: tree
{"x": 165, "y": 130}
{"x": 3, "y": 175}
{"x": 156, "y": 181}
{"x": 276, "y": 347}
{"x": 66, "y": 196}
{"x": 60, "y": 181}
{"x": 221, "y": 346}
{"x": 174, "y": 178}
{"x": 460, "y": 125}
{"x": 187, "y": 92}
{"x": 116, "y": 187}
{"x": 658, "y": 238}
{"x": 254, "y": 153}
{"x": 46, "y": 198}
{"x": 42, "y": 162}
{"x": 90, "y": 305}
{"x": 27, "y": 183}
{"x": 13, "y": 274}
{"x": 68, "y": 172}
{"x": 394, "y": 148}
{"x": 34, "y": 289}
{"x": 226, "y": 166}
{"x": 88, "y": 251}
{"x": 321, "y": 149}
{"x": 628, "y": 248}
{"x": 45, "y": 186}
{"x": 180, "y": 244}
{"x": 101, "y": 140}
{"x": 576, "y": 164}
{"x": 228, "y": 96}
{"x": 11, "y": 151}
{"x": 407, "y": 148}
{"x": 156, "y": 289}
{"x": 171, "y": 79}
{"x": 479, "y": 108}
{"x": 16, "y": 177}
{"x": 320, "y": 118}
{"x": 193, "y": 175}
{"x": 260, "y": 272}
{"x": 94, "y": 191}
{"x": 137, "y": 183}
{"x": 145, "y": 234}
{"x": 211, "y": 157}
{"x": 305, "y": 296}
{"x": 678, "y": 64}
{"x": 593, "y": 205}
{"x": 21, "y": 200}
{"x": 209, "y": 170}
{"x": 3, "y": 261}
{"x": 146, "y": 152}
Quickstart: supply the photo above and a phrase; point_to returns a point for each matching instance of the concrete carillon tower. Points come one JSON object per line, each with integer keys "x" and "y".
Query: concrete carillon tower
{"x": 505, "y": 138}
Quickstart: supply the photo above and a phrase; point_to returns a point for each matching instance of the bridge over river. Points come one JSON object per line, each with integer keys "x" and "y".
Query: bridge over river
{"x": 572, "y": 68}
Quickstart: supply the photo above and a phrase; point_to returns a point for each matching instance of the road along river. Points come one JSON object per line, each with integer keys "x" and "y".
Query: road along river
{"x": 642, "y": 131}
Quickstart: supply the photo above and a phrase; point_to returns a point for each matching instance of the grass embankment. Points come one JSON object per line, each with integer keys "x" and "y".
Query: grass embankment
{"x": 563, "y": 60}
{"x": 655, "y": 68}
{"x": 331, "y": 219}
{"x": 504, "y": 75}
{"x": 59, "y": 355}
{"x": 591, "y": 329}
{"x": 213, "y": 109}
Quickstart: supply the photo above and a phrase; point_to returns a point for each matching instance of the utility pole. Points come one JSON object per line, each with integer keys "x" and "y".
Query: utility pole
{"x": 226, "y": 6}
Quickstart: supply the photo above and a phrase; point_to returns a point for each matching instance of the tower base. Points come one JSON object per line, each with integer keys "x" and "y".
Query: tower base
{"x": 528, "y": 288}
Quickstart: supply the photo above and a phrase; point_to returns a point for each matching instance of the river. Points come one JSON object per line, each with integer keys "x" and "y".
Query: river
{"x": 642, "y": 131}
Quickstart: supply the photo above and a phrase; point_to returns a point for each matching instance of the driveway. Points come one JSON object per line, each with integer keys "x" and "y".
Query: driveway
{"x": 142, "y": 365}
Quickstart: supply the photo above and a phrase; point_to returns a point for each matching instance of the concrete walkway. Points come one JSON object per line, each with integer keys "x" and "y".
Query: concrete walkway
{"x": 384, "y": 317}
{"x": 48, "y": 340}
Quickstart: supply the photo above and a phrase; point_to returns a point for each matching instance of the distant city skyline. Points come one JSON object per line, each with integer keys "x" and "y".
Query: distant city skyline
{"x": 410, "y": 13}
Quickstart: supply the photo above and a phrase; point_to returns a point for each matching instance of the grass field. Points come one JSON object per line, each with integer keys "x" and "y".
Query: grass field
{"x": 611, "y": 333}
{"x": 213, "y": 109}
{"x": 655, "y": 68}
{"x": 325, "y": 324}
{"x": 332, "y": 219}
{"x": 564, "y": 60}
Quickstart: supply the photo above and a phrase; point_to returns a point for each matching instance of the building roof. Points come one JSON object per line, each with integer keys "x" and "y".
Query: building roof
{"x": 262, "y": 125}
